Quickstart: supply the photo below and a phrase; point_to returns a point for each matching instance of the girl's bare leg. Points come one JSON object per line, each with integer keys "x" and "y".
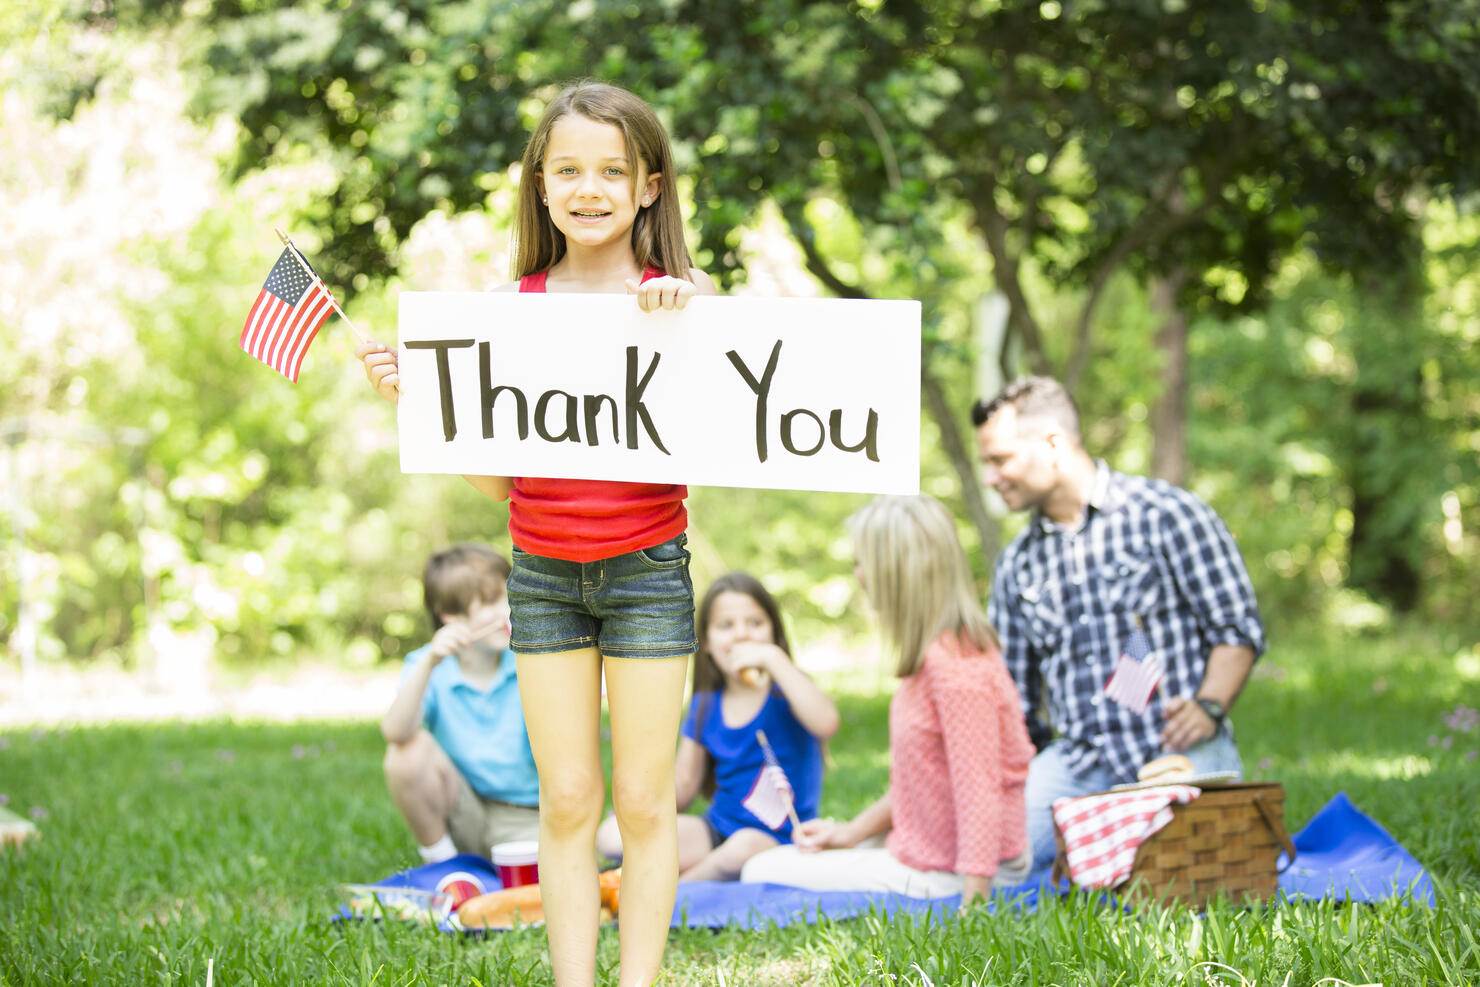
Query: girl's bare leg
{"x": 645, "y": 696}
{"x": 562, "y": 711}
{"x": 725, "y": 861}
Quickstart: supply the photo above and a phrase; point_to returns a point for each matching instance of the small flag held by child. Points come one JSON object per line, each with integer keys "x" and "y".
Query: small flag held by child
{"x": 1136, "y": 674}
{"x": 289, "y": 310}
{"x": 771, "y": 798}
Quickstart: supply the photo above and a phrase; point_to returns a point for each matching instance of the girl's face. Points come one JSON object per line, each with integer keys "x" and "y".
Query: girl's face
{"x": 593, "y": 190}
{"x": 735, "y": 617}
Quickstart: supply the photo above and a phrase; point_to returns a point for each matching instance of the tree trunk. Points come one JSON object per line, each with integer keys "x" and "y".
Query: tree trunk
{"x": 1169, "y": 411}
{"x": 1393, "y": 454}
{"x": 987, "y": 528}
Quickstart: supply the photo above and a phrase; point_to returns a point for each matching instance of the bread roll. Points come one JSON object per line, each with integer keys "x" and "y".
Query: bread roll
{"x": 501, "y": 909}
{"x": 1167, "y": 768}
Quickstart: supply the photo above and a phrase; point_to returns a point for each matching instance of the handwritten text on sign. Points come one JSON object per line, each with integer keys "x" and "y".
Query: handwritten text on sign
{"x": 796, "y": 393}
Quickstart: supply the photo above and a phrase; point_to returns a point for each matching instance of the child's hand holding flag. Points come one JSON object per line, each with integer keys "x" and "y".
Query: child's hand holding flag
{"x": 771, "y": 799}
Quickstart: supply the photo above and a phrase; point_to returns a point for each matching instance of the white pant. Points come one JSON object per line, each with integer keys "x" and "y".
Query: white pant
{"x": 866, "y": 868}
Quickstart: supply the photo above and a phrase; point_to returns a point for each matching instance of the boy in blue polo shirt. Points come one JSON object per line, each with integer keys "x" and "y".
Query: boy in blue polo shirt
{"x": 458, "y": 764}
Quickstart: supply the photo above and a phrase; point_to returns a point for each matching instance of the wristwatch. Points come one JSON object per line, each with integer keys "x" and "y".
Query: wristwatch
{"x": 1214, "y": 709}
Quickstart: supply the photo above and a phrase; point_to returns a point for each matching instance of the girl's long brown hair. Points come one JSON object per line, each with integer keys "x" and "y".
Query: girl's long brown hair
{"x": 657, "y": 233}
{"x": 707, "y": 676}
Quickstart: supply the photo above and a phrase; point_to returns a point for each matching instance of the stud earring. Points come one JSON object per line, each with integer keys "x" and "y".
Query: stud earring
{"x": 646, "y": 200}
{"x": 546, "y": 201}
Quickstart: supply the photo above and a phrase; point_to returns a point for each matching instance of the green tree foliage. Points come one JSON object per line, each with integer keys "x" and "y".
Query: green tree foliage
{"x": 1282, "y": 159}
{"x": 1079, "y": 140}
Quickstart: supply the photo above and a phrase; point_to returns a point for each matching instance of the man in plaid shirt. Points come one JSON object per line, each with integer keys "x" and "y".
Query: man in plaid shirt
{"x": 1102, "y": 553}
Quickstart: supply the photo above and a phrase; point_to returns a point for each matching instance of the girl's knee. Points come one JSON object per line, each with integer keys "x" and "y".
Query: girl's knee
{"x": 571, "y": 802}
{"x": 641, "y": 804}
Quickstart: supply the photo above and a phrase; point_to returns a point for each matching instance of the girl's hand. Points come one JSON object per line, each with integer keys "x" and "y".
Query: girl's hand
{"x": 382, "y": 368}
{"x": 754, "y": 657}
{"x": 974, "y": 886}
{"x": 665, "y": 292}
{"x": 819, "y": 834}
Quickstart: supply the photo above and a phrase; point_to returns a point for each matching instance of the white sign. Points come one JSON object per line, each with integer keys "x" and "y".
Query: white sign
{"x": 794, "y": 393}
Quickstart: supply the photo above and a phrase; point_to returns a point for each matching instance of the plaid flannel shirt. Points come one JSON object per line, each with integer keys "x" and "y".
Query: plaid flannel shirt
{"x": 1065, "y": 601}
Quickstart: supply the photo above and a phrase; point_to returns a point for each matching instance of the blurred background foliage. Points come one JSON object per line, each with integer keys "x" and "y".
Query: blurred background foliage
{"x": 1246, "y": 234}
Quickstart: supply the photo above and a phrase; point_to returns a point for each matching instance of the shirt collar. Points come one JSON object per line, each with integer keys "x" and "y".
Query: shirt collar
{"x": 1106, "y": 495}
{"x": 507, "y": 668}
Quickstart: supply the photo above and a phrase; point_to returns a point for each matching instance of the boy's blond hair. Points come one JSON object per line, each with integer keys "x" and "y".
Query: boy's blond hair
{"x": 915, "y": 573}
{"x": 460, "y": 574}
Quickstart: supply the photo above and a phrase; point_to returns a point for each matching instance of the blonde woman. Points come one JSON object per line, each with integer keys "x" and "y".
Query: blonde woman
{"x": 953, "y": 820}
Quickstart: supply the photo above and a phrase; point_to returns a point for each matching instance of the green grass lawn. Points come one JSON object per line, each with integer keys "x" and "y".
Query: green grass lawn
{"x": 166, "y": 846}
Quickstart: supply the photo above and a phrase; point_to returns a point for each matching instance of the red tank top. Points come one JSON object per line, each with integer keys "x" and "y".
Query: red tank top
{"x": 587, "y": 520}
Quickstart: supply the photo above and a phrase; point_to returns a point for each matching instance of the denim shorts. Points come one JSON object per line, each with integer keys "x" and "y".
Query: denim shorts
{"x": 635, "y": 605}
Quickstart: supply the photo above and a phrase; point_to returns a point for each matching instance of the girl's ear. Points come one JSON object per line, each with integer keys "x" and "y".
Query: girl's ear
{"x": 651, "y": 189}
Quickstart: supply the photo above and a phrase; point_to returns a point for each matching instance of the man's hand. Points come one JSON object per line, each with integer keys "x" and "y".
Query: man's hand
{"x": 382, "y": 369}
{"x": 1186, "y": 724}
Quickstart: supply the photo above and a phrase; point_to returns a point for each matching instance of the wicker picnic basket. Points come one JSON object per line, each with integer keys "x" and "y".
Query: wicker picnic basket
{"x": 1226, "y": 842}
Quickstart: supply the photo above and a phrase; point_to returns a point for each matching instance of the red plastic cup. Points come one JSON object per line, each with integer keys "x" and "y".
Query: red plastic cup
{"x": 517, "y": 863}
{"x": 460, "y": 886}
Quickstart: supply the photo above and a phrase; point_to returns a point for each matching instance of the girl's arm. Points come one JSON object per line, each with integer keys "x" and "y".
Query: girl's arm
{"x": 383, "y": 371}
{"x": 496, "y": 487}
{"x": 688, "y": 771}
{"x": 813, "y": 708}
{"x": 827, "y": 834}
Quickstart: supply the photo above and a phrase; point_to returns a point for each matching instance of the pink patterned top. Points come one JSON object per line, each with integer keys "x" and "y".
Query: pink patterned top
{"x": 958, "y": 762}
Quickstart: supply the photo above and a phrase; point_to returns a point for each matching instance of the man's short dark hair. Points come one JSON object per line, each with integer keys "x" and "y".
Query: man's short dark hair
{"x": 1033, "y": 397}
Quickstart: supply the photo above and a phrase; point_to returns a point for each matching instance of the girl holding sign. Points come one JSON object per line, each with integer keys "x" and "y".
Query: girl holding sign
{"x": 953, "y": 820}
{"x": 745, "y": 686}
{"x": 601, "y": 572}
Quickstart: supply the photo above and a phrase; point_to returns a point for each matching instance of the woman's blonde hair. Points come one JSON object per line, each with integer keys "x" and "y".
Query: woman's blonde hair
{"x": 657, "y": 233}
{"x": 914, "y": 572}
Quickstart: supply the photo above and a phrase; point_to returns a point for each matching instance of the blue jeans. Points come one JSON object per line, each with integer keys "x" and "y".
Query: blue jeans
{"x": 1049, "y": 778}
{"x": 635, "y": 605}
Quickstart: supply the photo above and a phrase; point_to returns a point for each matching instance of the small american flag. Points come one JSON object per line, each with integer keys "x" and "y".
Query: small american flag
{"x": 1137, "y": 671}
{"x": 290, "y": 308}
{"x": 771, "y": 797}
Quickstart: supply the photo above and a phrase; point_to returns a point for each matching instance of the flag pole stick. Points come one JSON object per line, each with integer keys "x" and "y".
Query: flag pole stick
{"x": 310, "y": 272}
{"x": 791, "y": 809}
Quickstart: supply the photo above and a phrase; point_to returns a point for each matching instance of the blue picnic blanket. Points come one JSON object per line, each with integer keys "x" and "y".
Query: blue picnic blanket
{"x": 1341, "y": 853}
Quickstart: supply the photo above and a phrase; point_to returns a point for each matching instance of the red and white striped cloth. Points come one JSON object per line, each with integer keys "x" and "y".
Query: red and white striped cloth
{"x": 1103, "y": 832}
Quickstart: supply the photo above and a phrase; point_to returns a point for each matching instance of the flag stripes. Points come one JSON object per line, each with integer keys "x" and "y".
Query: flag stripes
{"x": 287, "y": 314}
{"x": 1137, "y": 672}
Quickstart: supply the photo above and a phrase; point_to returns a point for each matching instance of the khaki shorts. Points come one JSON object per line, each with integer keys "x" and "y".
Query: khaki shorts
{"x": 476, "y": 823}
